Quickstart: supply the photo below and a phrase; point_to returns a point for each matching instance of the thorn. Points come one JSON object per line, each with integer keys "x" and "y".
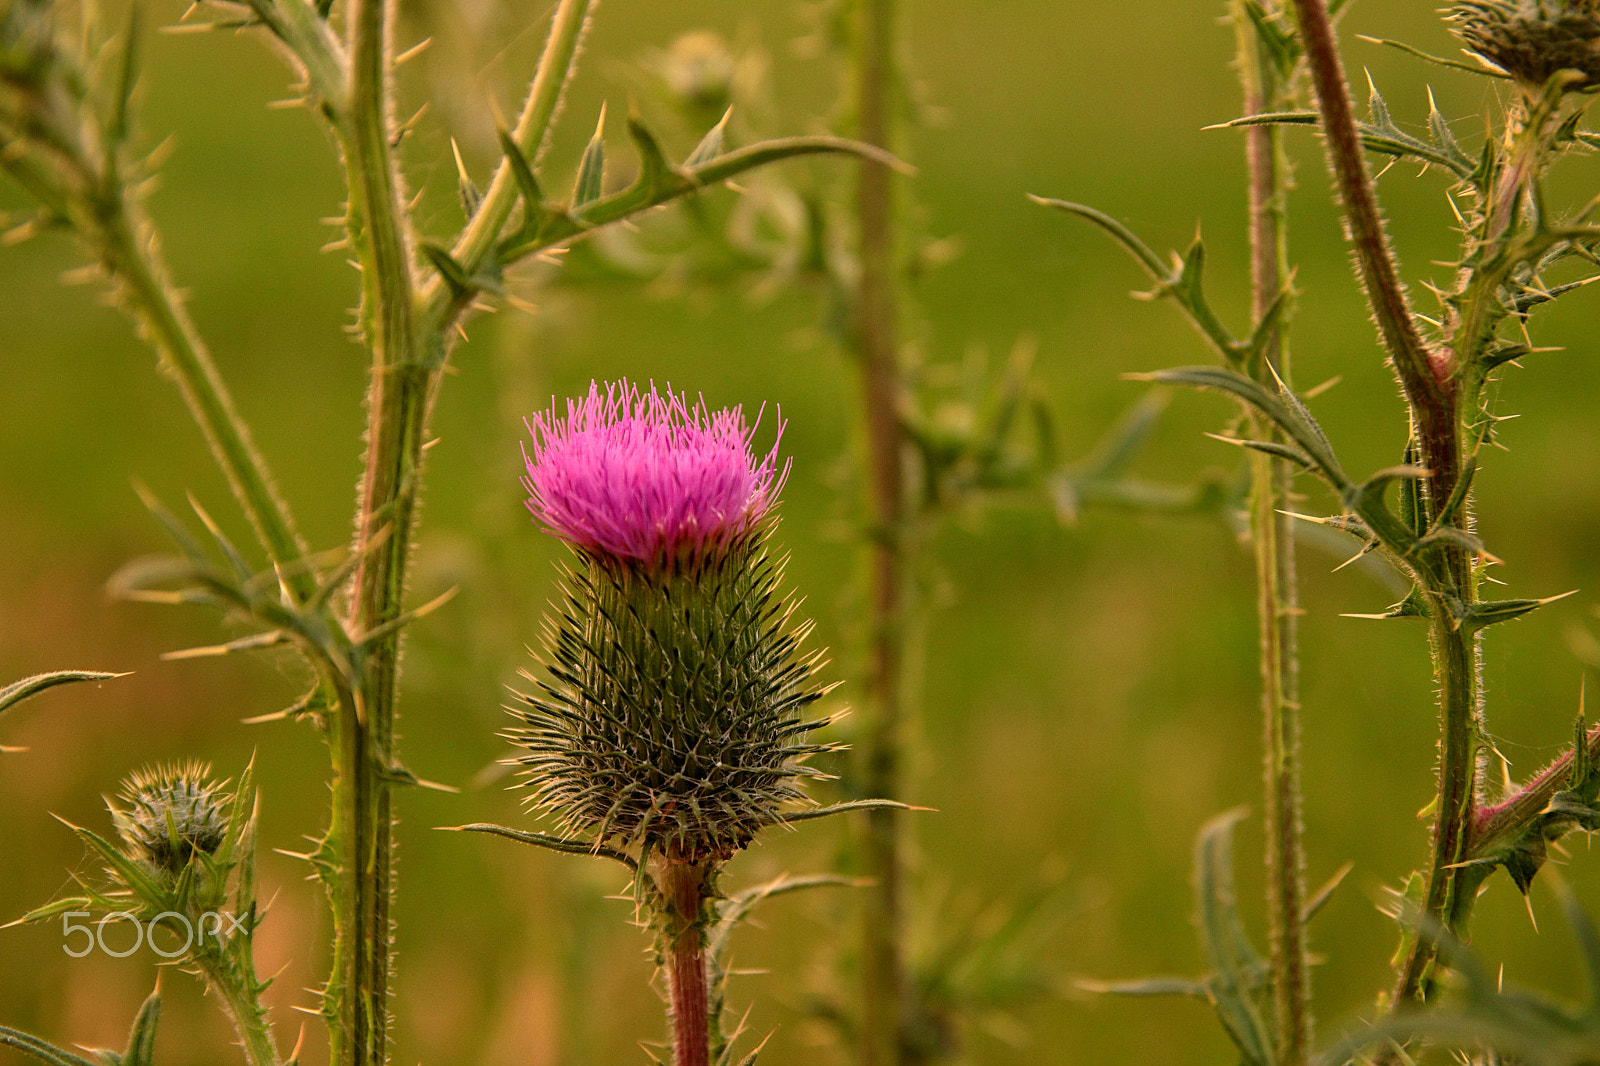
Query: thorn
{"x": 1317, "y": 390}
{"x": 414, "y": 51}
{"x": 1528, "y": 900}
{"x": 462, "y": 334}
{"x": 336, "y": 245}
{"x": 288, "y": 104}
{"x": 411, "y": 205}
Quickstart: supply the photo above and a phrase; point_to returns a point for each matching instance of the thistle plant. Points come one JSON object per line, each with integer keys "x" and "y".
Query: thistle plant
{"x": 71, "y": 142}
{"x": 1511, "y": 245}
{"x": 186, "y": 869}
{"x": 669, "y": 728}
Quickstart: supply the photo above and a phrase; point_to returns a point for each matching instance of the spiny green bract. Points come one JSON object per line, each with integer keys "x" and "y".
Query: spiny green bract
{"x": 672, "y": 714}
{"x": 1532, "y": 39}
{"x": 171, "y": 813}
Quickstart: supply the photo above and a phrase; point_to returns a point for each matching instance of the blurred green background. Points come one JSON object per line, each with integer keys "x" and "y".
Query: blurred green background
{"x": 1090, "y": 692}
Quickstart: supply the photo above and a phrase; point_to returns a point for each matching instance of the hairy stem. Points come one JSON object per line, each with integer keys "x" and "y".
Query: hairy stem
{"x": 883, "y": 1007}
{"x": 476, "y": 242}
{"x": 131, "y": 255}
{"x": 244, "y": 1007}
{"x": 1426, "y": 379}
{"x": 684, "y": 888}
{"x": 397, "y": 406}
{"x": 1431, "y": 388}
{"x": 1450, "y": 889}
{"x": 1277, "y": 595}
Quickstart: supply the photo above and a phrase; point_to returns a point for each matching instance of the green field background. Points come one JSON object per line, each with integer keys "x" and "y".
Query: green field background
{"x": 1090, "y": 691}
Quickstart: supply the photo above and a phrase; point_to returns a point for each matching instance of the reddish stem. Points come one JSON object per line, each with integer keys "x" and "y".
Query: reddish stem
{"x": 684, "y": 884}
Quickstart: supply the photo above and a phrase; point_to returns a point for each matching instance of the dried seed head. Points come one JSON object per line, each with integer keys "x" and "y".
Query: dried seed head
{"x": 171, "y": 813}
{"x": 1533, "y": 39}
{"x": 671, "y": 715}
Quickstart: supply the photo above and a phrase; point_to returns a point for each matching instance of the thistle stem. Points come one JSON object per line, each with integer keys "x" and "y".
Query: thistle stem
{"x": 248, "y": 1015}
{"x": 883, "y": 1007}
{"x": 135, "y": 261}
{"x": 397, "y": 407}
{"x": 1277, "y": 598}
{"x": 683, "y": 887}
{"x": 1449, "y": 893}
{"x": 1429, "y": 381}
{"x": 476, "y": 242}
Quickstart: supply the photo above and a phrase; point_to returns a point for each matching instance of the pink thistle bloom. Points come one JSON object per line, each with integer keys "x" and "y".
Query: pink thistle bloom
{"x": 647, "y": 478}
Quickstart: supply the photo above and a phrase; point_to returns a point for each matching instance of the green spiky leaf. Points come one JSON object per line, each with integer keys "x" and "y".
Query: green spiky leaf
{"x": 18, "y": 691}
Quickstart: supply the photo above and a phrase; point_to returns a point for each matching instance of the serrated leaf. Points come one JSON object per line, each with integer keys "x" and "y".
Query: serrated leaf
{"x": 450, "y": 270}
{"x": 845, "y": 808}
{"x": 534, "y": 212}
{"x": 1228, "y": 951}
{"x": 1281, "y": 45}
{"x": 1442, "y": 135}
{"x": 710, "y": 145}
{"x": 1295, "y": 421}
{"x": 471, "y": 198}
{"x": 142, "y": 1037}
{"x": 1141, "y": 252}
{"x": 655, "y": 173}
{"x": 566, "y": 846}
{"x": 42, "y": 1050}
{"x": 1480, "y": 615}
{"x": 626, "y": 203}
{"x": 592, "y": 168}
{"x": 18, "y": 691}
{"x": 1273, "y": 448}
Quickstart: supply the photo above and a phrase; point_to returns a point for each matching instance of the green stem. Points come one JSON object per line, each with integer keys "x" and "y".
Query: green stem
{"x": 1451, "y": 886}
{"x": 249, "y": 1017}
{"x": 883, "y": 1006}
{"x": 1432, "y": 391}
{"x": 1277, "y": 599}
{"x": 398, "y": 396}
{"x": 134, "y": 261}
{"x": 476, "y": 242}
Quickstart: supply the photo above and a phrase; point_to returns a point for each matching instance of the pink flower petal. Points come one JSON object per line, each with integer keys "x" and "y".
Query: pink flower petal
{"x": 645, "y": 477}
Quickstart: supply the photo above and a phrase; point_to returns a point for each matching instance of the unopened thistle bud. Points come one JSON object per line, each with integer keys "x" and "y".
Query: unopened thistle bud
{"x": 1533, "y": 39}
{"x": 170, "y": 814}
{"x": 671, "y": 717}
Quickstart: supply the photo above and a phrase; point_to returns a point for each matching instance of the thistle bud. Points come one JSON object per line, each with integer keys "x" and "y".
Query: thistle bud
{"x": 170, "y": 814}
{"x": 1533, "y": 39}
{"x": 671, "y": 716}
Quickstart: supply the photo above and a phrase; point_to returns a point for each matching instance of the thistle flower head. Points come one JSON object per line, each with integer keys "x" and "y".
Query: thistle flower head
{"x": 647, "y": 479}
{"x": 671, "y": 713}
{"x": 170, "y": 814}
{"x": 1533, "y": 39}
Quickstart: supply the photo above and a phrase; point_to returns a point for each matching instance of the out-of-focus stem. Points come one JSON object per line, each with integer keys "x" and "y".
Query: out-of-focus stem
{"x": 1277, "y": 600}
{"x": 875, "y": 332}
{"x": 135, "y": 262}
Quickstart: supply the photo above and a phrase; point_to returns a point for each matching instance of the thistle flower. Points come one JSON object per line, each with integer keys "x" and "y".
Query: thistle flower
{"x": 640, "y": 478}
{"x": 671, "y": 717}
{"x": 171, "y": 813}
{"x": 1533, "y": 39}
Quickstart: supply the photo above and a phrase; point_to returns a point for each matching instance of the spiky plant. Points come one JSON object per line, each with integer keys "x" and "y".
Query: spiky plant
{"x": 669, "y": 725}
{"x": 170, "y": 814}
{"x": 672, "y": 718}
{"x": 1533, "y": 39}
